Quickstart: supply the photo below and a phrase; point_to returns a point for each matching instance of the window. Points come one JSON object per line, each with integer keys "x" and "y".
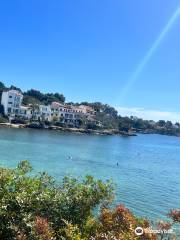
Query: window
{"x": 9, "y": 102}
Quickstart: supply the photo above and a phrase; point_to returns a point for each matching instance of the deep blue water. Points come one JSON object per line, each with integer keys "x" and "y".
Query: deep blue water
{"x": 147, "y": 178}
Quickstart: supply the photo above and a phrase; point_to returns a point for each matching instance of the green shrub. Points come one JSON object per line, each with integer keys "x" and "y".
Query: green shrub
{"x": 23, "y": 199}
{"x": 3, "y": 120}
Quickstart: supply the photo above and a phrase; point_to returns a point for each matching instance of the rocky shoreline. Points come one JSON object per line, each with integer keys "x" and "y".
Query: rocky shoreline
{"x": 159, "y": 131}
{"x": 88, "y": 131}
{"x": 69, "y": 130}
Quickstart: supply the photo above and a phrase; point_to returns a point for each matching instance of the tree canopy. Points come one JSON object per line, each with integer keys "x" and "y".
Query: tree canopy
{"x": 45, "y": 98}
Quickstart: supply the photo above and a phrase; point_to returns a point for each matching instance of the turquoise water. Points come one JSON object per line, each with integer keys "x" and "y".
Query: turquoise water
{"x": 147, "y": 178}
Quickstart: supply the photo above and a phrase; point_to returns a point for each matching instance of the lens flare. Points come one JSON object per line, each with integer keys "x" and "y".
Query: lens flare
{"x": 149, "y": 54}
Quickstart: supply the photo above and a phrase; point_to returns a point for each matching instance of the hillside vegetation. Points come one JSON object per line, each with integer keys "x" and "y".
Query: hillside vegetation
{"x": 105, "y": 114}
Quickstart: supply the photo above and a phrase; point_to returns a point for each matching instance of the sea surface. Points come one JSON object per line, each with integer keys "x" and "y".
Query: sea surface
{"x": 147, "y": 177}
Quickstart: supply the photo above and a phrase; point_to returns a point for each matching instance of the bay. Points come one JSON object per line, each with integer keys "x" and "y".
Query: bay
{"x": 147, "y": 176}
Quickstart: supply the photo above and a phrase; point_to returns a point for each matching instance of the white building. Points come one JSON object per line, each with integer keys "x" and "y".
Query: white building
{"x": 65, "y": 113}
{"x": 26, "y": 112}
{"x": 39, "y": 112}
{"x": 45, "y": 112}
{"x": 86, "y": 109}
{"x": 55, "y": 111}
{"x": 11, "y": 101}
{"x": 69, "y": 114}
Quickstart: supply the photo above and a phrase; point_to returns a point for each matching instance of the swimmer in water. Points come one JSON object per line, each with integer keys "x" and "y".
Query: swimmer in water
{"x": 117, "y": 164}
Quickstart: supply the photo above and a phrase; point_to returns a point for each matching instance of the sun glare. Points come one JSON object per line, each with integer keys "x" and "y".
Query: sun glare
{"x": 135, "y": 75}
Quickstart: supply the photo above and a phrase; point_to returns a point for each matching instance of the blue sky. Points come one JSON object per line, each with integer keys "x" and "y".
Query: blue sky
{"x": 89, "y": 50}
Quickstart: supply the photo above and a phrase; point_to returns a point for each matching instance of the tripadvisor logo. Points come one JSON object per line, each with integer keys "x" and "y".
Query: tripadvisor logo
{"x": 139, "y": 231}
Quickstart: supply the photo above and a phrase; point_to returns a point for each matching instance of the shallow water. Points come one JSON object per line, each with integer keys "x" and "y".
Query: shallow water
{"x": 147, "y": 178}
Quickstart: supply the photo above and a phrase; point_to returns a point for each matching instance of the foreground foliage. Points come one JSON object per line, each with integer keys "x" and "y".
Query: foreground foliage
{"x": 37, "y": 208}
